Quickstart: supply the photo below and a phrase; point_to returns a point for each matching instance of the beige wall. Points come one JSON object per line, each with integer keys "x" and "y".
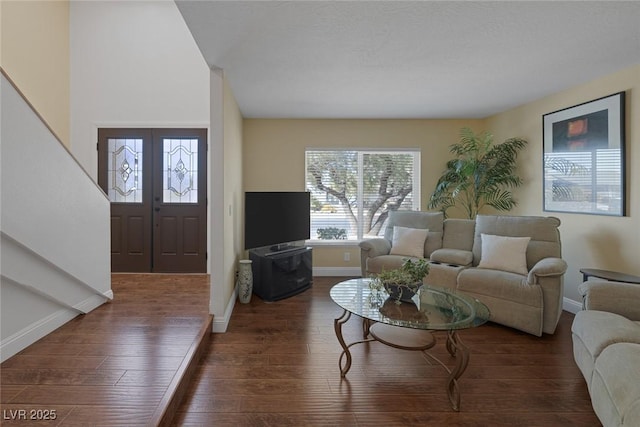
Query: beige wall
{"x": 588, "y": 240}
{"x": 273, "y": 156}
{"x": 233, "y": 184}
{"x": 35, "y": 54}
{"x": 225, "y": 187}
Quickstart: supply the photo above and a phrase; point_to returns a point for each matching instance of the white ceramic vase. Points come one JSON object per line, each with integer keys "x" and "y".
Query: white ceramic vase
{"x": 245, "y": 281}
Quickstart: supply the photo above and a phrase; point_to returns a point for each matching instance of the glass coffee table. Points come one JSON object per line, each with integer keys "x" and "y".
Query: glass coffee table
{"x": 410, "y": 325}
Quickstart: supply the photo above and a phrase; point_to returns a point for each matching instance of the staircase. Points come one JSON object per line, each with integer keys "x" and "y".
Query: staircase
{"x": 54, "y": 229}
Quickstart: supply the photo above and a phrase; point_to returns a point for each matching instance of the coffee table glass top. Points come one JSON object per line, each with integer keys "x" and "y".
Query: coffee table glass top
{"x": 431, "y": 308}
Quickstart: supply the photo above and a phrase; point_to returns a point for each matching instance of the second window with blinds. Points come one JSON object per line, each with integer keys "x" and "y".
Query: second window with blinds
{"x": 353, "y": 190}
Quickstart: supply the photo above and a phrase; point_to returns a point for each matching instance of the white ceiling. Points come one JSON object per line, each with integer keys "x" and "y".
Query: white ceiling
{"x": 401, "y": 59}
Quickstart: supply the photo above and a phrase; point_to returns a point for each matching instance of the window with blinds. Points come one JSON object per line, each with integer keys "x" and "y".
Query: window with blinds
{"x": 352, "y": 191}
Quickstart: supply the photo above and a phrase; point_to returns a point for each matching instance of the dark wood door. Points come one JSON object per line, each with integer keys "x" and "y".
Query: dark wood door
{"x": 124, "y": 174}
{"x": 156, "y": 181}
{"x": 179, "y": 200}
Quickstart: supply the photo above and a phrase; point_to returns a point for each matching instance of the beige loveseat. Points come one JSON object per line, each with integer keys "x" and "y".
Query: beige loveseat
{"x": 527, "y": 297}
{"x": 606, "y": 348}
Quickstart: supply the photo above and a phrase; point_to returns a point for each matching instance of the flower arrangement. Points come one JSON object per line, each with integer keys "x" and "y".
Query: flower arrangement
{"x": 402, "y": 283}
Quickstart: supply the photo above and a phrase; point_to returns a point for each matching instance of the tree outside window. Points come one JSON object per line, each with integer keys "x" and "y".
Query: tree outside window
{"x": 353, "y": 191}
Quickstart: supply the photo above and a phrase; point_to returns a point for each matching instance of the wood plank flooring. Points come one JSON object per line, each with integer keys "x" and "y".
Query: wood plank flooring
{"x": 117, "y": 365}
{"x": 277, "y": 365}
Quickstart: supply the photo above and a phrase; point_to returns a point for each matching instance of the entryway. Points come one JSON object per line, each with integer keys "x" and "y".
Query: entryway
{"x": 156, "y": 181}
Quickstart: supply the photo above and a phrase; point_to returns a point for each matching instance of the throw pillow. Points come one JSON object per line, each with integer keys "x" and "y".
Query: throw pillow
{"x": 504, "y": 253}
{"x": 408, "y": 241}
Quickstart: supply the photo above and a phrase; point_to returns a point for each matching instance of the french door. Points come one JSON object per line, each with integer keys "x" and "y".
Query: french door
{"x": 156, "y": 182}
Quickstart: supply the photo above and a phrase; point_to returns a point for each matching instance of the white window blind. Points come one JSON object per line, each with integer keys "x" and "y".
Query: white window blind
{"x": 352, "y": 191}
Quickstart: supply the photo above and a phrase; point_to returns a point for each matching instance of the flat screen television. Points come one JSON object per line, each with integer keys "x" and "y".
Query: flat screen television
{"x": 276, "y": 218}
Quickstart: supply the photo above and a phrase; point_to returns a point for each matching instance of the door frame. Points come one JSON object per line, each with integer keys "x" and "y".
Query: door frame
{"x": 153, "y": 138}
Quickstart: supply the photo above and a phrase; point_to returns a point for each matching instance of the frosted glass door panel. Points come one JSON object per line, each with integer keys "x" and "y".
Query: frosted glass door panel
{"x": 180, "y": 165}
{"x": 124, "y": 174}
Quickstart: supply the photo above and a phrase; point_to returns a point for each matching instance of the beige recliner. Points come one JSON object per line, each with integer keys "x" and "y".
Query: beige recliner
{"x": 606, "y": 348}
{"x": 529, "y": 301}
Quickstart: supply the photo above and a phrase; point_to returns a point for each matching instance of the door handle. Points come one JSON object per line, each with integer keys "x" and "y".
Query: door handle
{"x": 156, "y": 209}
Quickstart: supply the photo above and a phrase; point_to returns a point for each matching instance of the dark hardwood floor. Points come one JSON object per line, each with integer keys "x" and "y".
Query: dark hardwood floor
{"x": 117, "y": 365}
{"x": 277, "y": 365}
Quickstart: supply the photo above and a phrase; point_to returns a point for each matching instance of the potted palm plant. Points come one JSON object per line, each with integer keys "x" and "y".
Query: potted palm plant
{"x": 480, "y": 174}
{"x": 402, "y": 283}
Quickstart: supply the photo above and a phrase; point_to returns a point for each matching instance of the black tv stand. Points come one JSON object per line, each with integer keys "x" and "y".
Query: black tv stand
{"x": 282, "y": 247}
{"x": 277, "y": 250}
{"x": 281, "y": 274}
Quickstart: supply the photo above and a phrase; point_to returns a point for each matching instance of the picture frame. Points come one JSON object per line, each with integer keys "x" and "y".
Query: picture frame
{"x": 584, "y": 158}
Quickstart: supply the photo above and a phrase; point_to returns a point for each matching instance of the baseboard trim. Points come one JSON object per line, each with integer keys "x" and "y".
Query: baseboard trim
{"x": 337, "y": 271}
{"x": 220, "y": 324}
{"x": 94, "y": 301}
{"x": 571, "y": 306}
{"x": 22, "y": 339}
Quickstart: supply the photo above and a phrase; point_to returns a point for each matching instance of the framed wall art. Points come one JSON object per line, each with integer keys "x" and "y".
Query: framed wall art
{"x": 584, "y": 158}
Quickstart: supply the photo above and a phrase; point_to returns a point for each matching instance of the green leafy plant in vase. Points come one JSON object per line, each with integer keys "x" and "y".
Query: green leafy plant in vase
{"x": 402, "y": 283}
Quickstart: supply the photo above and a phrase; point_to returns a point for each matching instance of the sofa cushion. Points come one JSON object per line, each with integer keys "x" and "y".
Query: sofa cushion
{"x": 458, "y": 233}
{"x": 433, "y": 221}
{"x": 544, "y": 233}
{"x": 615, "y": 387}
{"x": 452, "y": 256}
{"x": 504, "y": 253}
{"x": 408, "y": 241}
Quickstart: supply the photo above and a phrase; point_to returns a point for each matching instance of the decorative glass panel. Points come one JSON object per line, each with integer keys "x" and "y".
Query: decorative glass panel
{"x": 125, "y": 170}
{"x": 180, "y": 165}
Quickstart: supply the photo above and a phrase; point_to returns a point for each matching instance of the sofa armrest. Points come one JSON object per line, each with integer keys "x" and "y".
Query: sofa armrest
{"x": 615, "y": 297}
{"x": 547, "y": 267}
{"x": 452, "y": 257}
{"x": 375, "y": 247}
{"x": 371, "y": 248}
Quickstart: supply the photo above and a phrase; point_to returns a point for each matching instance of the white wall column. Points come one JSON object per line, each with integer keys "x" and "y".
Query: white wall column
{"x": 219, "y": 301}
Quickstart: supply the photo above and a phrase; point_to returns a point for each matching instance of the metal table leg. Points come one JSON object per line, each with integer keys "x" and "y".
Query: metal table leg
{"x": 337, "y": 324}
{"x": 456, "y": 348}
{"x": 454, "y": 345}
{"x": 346, "y": 353}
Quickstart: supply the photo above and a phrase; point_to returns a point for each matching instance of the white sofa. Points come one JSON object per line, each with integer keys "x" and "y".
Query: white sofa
{"x": 606, "y": 348}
